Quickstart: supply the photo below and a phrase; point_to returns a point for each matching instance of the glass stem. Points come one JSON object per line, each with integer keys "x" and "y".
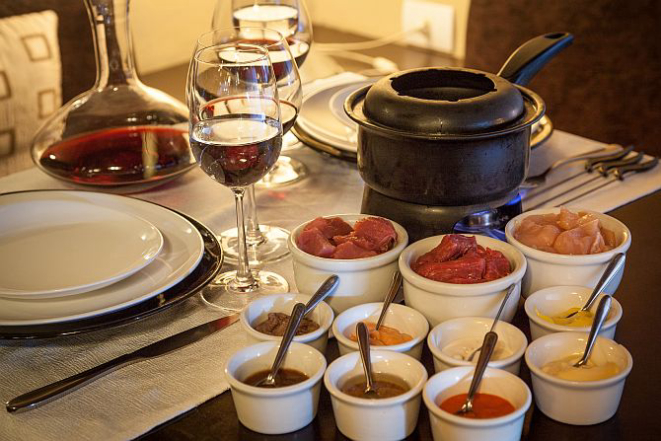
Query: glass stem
{"x": 254, "y": 235}
{"x": 244, "y": 277}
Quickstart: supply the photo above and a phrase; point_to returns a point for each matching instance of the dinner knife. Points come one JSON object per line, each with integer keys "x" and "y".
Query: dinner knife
{"x": 32, "y": 399}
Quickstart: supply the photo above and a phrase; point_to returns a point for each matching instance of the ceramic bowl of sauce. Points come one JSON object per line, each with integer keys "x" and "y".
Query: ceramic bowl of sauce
{"x": 499, "y": 408}
{"x": 452, "y": 342}
{"x": 289, "y": 406}
{"x": 403, "y": 330}
{"x": 547, "y": 308}
{"x": 391, "y": 416}
{"x": 265, "y": 319}
{"x": 579, "y": 396}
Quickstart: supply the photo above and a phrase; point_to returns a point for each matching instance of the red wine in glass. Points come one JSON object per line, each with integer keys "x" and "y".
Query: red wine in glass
{"x": 236, "y": 150}
{"x": 120, "y": 155}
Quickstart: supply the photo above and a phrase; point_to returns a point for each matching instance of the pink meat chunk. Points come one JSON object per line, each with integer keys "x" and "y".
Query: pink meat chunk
{"x": 584, "y": 239}
{"x": 349, "y": 250}
{"x": 538, "y": 236}
{"x": 378, "y": 234}
{"x": 314, "y": 242}
{"x": 330, "y": 227}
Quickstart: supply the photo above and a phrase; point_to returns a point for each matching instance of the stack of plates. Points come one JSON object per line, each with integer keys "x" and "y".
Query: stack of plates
{"x": 324, "y": 126}
{"x": 75, "y": 261}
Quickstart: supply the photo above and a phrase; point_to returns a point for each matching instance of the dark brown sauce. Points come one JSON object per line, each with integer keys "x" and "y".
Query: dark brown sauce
{"x": 385, "y": 386}
{"x": 284, "y": 377}
{"x": 276, "y": 324}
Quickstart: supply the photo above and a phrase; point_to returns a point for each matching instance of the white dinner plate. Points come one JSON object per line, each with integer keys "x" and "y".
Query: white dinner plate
{"x": 61, "y": 248}
{"x": 322, "y": 115}
{"x": 182, "y": 250}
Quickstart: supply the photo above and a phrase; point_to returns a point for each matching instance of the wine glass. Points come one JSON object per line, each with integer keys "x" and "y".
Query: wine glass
{"x": 236, "y": 137}
{"x": 266, "y": 243}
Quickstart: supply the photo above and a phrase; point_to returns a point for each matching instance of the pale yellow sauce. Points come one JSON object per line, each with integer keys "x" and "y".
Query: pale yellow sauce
{"x": 580, "y": 320}
{"x": 565, "y": 370}
{"x": 462, "y": 348}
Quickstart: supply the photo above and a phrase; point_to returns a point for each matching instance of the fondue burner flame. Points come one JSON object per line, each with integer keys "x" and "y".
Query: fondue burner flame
{"x": 490, "y": 222}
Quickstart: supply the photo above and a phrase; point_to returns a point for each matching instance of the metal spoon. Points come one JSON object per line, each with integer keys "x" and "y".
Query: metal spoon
{"x": 287, "y": 338}
{"x": 613, "y": 267}
{"x": 599, "y": 319}
{"x": 364, "y": 349}
{"x": 489, "y": 343}
{"x": 510, "y": 290}
{"x": 394, "y": 289}
{"x": 324, "y": 290}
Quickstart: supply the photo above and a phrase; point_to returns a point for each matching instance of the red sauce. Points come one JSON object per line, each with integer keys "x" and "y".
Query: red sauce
{"x": 484, "y": 406}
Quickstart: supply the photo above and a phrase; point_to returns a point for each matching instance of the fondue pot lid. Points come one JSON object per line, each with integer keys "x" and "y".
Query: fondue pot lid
{"x": 444, "y": 101}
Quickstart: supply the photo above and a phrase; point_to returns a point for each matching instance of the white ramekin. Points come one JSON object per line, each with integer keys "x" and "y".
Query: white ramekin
{"x": 576, "y": 402}
{"x": 258, "y": 309}
{"x": 441, "y": 301}
{"x": 279, "y": 410}
{"x": 557, "y": 299}
{"x": 400, "y": 317}
{"x": 384, "y": 419}
{"x": 448, "y": 427}
{"x": 547, "y": 269}
{"x": 467, "y": 327}
{"x": 361, "y": 280}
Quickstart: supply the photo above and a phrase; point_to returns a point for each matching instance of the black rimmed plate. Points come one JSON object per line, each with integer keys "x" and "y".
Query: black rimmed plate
{"x": 204, "y": 272}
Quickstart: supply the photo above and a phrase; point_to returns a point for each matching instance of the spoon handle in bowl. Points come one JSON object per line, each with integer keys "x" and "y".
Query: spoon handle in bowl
{"x": 364, "y": 349}
{"x": 287, "y": 338}
{"x": 609, "y": 273}
{"x": 488, "y": 345}
{"x": 394, "y": 289}
{"x": 599, "y": 319}
{"x": 325, "y": 289}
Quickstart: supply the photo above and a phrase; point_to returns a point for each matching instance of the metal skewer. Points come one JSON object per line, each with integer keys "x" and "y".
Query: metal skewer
{"x": 590, "y": 165}
{"x": 618, "y": 174}
{"x": 603, "y": 168}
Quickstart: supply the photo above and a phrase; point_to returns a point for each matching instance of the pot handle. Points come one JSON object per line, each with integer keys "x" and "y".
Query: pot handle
{"x": 532, "y": 55}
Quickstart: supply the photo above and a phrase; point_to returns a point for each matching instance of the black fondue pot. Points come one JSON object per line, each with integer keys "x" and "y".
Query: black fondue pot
{"x": 451, "y": 136}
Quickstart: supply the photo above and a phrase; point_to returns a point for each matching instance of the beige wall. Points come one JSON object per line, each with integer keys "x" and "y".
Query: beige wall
{"x": 165, "y": 30}
{"x": 379, "y": 18}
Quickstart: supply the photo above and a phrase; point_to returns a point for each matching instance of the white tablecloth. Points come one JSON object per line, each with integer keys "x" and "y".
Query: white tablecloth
{"x": 130, "y": 401}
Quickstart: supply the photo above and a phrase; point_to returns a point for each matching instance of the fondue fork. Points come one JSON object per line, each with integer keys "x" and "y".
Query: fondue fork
{"x": 590, "y": 165}
{"x": 615, "y": 169}
{"x": 540, "y": 178}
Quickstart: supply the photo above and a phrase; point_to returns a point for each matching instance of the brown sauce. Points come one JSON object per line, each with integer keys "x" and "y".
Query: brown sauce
{"x": 385, "y": 386}
{"x": 284, "y": 377}
{"x": 484, "y": 406}
{"x": 276, "y": 324}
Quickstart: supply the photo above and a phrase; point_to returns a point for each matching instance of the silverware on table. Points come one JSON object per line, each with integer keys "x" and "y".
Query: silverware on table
{"x": 39, "y": 396}
{"x": 539, "y": 179}
{"x": 488, "y": 346}
{"x": 610, "y": 172}
{"x": 590, "y": 165}
{"x": 509, "y": 292}
{"x": 394, "y": 289}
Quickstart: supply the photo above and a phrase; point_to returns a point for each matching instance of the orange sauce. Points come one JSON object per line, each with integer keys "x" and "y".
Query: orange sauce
{"x": 484, "y": 406}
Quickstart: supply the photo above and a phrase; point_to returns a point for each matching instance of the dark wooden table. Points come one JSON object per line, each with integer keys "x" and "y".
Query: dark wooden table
{"x": 638, "y": 417}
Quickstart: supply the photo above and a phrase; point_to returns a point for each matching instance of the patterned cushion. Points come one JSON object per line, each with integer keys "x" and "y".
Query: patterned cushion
{"x": 30, "y": 77}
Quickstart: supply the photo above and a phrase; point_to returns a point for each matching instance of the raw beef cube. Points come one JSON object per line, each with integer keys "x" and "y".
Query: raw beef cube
{"x": 453, "y": 246}
{"x": 497, "y": 265}
{"x": 380, "y": 233}
{"x": 314, "y": 242}
{"x": 333, "y": 226}
{"x": 467, "y": 269}
{"x": 349, "y": 250}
